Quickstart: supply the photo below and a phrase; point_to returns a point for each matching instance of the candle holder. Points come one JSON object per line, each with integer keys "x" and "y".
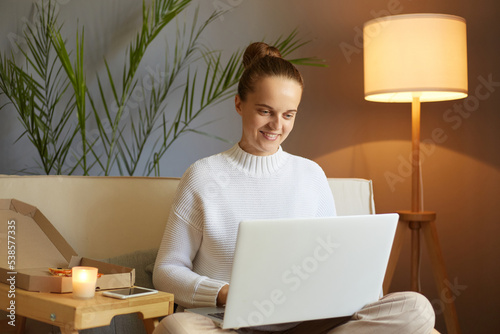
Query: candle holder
{"x": 84, "y": 281}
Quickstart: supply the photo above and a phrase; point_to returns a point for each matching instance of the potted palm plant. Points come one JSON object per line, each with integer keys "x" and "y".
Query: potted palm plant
{"x": 49, "y": 88}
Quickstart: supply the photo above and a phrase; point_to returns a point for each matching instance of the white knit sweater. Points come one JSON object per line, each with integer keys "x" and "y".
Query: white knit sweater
{"x": 216, "y": 193}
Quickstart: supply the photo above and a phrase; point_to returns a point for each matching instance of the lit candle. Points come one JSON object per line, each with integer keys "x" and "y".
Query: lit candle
{"x": 84, "y": 281}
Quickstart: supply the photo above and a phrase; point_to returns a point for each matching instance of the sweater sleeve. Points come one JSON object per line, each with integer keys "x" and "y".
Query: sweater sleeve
{"x": 319, "y": 182}
{"x": 173, "y": 271}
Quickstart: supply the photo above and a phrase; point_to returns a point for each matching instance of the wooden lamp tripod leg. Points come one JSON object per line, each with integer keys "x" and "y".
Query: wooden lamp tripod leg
{"x": 393, "y": 259}
{"x": 446, "y": 296}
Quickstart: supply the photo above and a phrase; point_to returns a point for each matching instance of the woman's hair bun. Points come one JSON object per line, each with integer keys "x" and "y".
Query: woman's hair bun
{"x": 258, "y": 50}
{"x": 261, "y": 61}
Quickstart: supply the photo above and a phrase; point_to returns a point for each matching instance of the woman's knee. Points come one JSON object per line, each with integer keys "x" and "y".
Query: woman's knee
{"x": 184, "y": 322}
{"x": 419, "y": 309}
{"x": 420, "y": 302}
{"x": 165, "y": 325}
{"x": 176, "y": 323}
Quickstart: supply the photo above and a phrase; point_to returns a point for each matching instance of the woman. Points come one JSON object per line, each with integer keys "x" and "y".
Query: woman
{"x": 254, "y": 179}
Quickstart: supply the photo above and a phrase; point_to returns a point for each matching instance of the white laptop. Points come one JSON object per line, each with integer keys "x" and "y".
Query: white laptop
{"x": 288, "y": 270}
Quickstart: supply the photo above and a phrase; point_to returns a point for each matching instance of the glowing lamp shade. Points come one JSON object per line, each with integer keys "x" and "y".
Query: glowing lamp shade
{"x": 415, "y": 55}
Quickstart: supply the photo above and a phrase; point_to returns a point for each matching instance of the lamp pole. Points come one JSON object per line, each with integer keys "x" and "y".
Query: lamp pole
{"x": 416, "y": 194}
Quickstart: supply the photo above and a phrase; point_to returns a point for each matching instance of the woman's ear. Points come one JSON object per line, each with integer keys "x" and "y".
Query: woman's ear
{"x": 237, "y": 104}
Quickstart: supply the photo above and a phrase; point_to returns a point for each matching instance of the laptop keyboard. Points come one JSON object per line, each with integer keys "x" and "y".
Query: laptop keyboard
{"x": 219, "y": 315}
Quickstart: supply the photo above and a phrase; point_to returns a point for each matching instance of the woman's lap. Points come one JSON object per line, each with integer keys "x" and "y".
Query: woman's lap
{"x": 401, "y": 312}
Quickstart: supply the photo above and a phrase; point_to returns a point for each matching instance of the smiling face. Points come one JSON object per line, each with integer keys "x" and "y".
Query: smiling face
{"x": 268, "y": 114}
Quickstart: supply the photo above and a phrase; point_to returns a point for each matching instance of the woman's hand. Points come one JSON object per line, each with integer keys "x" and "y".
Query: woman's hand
{"x": 222, "y": 296}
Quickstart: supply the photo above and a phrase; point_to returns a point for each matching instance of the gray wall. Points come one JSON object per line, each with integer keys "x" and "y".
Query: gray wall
{"x": 348, "y": 136}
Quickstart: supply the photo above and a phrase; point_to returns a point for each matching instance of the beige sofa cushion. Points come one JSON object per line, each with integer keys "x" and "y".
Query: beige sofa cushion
{"x": 103, "y": 217}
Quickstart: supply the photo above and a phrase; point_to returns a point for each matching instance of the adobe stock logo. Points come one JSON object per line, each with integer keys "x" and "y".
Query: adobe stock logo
{"x": 292, "y": 278}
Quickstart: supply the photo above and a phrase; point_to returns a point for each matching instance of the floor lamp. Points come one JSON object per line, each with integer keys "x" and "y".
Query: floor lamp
{"x": 417, "y": 58}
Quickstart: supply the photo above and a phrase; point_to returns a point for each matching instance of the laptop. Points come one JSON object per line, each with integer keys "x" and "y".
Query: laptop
{"x": 289, "y": 270}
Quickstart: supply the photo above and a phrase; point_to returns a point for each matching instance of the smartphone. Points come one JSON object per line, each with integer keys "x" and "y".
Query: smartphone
{"x": 129, "y": 292}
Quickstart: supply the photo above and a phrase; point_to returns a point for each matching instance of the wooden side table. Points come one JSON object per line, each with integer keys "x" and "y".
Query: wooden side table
{"x": 72, "y": 315}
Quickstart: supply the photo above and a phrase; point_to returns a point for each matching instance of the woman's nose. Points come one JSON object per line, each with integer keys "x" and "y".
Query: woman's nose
{"x": 275, "y": 123}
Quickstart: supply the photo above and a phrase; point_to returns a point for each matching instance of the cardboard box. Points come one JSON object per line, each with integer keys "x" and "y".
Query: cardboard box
{"x": 29, "y": 245}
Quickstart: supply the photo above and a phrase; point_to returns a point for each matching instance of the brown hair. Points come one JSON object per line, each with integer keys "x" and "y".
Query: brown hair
{"x": 261, "y": 61}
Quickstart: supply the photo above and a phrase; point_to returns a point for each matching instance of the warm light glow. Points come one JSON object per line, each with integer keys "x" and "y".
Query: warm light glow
{"x": 423, "y": 55}
{"x": 82, "y": 276}
{"x": 84, "y": 281}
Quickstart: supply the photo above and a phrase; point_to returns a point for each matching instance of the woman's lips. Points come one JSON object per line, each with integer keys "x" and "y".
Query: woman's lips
{"x": 269, "y": 135}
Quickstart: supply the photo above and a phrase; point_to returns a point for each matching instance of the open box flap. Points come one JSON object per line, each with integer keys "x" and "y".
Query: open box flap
{"x": 37, "y": 243}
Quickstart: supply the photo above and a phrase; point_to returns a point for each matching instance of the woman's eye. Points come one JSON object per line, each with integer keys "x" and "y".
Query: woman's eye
{"x": 265, "y": 112}
{"x": 289, "y": 116}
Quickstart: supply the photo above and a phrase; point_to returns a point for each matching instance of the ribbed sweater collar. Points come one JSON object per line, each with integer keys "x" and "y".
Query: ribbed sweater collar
{"x": 256, "y": 165}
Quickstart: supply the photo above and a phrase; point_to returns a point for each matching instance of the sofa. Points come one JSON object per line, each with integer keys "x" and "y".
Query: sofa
{"x": 120, "y": 220}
